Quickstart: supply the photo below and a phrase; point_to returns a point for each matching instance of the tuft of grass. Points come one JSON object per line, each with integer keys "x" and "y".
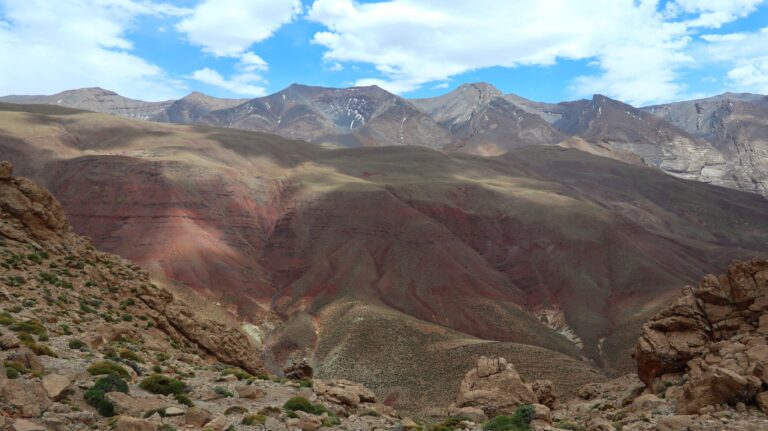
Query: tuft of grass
{"x": 517, "y": 422}
{"x": 163, "y": 385}
{"x": 96, "y": 395}
{"x": 223, "y": 392}
{"x": 254, "y": 420}
{"x": 76, "y": 344}
{"x": 107, "y": 367}
{"x": 450, "y": 424}
{"x": 183, "y": 399}
{"x": 237, "y": 372}
{"x": 567, "y": 425}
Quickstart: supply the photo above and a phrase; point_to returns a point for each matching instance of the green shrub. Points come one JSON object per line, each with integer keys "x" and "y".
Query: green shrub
{"x": 30, "y": 326}
{"x": 566, "y": 425}
{"x": 163, "y": 385}
{"x": 450, "y": 424}
{"x": 517, "y": 422}
{"x": 236, "y": 410}
{"x": 165, "y": 427}
{"x": 370, "y": 412}
{"x": 149, "y": 413}
{"x": 42, "y": 350}
{"x": 302, "y": 404}
{"x": 305, "y": 383}
{"x": 162, "y": 356}
{"x": 157, "y": 369}
{"x": 331, "y": 420}
{"x": 223, "y": 392}
{"x": 76, "y": 344}
{"x": 96, "y": 395}
{"x": 130, "y": 355}
{"x": 12, "y": 373}
{"x": 254, "y": 420}
{"x": 237, "y": 372}
{"x": 106, "y": 367}
{"x": 183, "y": 399}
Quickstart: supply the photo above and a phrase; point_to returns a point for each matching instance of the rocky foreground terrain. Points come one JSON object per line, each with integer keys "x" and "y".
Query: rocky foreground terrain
{"x": 89, "y": 342}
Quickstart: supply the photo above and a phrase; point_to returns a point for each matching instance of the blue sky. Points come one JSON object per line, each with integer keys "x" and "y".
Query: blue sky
{"x": 639, "y": 51}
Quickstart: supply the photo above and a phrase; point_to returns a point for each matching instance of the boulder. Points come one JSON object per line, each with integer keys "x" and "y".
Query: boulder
{"x": 220, "y": 423}
{"x": 712, "y": 386}
{"x": 126, "y": 423}
{"x": 174, "y": 411}
{"x": 28, "y": 358}
{"x": 343, "y": 392}
{"x": 9, "y": 340}
{"x": 597, "y": 423}
{"x": 675, "y": 422}
{"x": 495, "y": 387}
{"x": 197, "y": 416}
{"x": 249, "y": 392}
{"x": 306, "y": 422}
{"x": 28, "y": 425}
{"x": 56, "y": 385}
{"x": 545, "y": 393}
{"x": 762, "y": 401}
{"x": 28, "y": 396}
{"x": 6, "y": 170}
{"x": 298, "y": 370}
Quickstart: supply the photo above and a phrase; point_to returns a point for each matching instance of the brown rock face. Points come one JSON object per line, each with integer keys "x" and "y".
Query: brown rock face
{"x": 495, "y": 387}
{"x": 6, "y": 170}
{"x": 711, "y": 333}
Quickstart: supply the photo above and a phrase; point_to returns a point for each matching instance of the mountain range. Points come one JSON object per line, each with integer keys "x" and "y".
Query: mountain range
{"x": 398, "y": 265}
{"x": 721, "y": 140}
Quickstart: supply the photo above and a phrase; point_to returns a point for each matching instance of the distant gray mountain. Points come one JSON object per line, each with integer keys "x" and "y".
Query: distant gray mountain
{"x": 356, "y": 116}
{"x": 485, "y": 122}
{"x": 186, "y": 110}
{"x": 734, "y": 123}
{"x": 193, "y": 107}
{"x": 98, "y": 100}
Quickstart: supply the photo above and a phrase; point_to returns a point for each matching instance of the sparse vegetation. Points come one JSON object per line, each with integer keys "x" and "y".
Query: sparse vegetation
{"x": 236, "y": 410}
{"x": 237, "y": 372}
{"x": 76, "y": 344}
{"x": 107, "y": 367}
{"x": 223, "y": 392}
{"x": 163, "y": 385}
{"x": 96, "y": 395}
{"x": 302, "y": 404}
{"x": 517, "y": 422}
{"x": 450, "y": 424}
{"x": 254, "y": 420}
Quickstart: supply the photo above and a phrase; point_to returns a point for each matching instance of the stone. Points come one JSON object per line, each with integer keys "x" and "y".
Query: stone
{"x": 28, "y": 358}
{"x": 28, "y": 425}
{"x": 197, "y": 416}
{"x": 541, "y": 413}
{"x": 647, "y": 402}
{"x": 130, "y": 405}
{"x": 298, "y": 370}
{"x": 409, "y": 423}
{"x": 6, "y": 170}
{"x": 675, "y": 422}
{"x": 545, "y": 393}
{"x": 9, "y": 340}
{"x": 715, "y": 385}
{"x": 28, "y": 396}
{"x": 249, "y": 392}
{"x": 343, "y": 392}
{"x": 763, "y": 325}
{"x": 307, "y": 422}
{"x": 220, "y": 423}
{"x": 762, "y": 401}
{"x": 174, "y": 411}
{"x": 599, "y": 424}
{"x": 126, "y": 423}
{"x": 56, "y": 385}
{"x": 499, "y": 393}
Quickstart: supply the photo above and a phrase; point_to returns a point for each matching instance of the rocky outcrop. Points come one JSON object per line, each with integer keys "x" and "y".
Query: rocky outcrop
{"x": 299, "y": 370}
{"x": 707, "y": 347}
{"x": 494, "y": 387}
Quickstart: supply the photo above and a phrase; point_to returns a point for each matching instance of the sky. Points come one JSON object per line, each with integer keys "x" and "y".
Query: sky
{"x": 639, "y": 51}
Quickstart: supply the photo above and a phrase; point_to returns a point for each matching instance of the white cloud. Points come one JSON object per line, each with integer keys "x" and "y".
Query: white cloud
{"x": 64, "y": 44}
{"x": 243, "y": 83}
{"x": 713, "y": 13}
{"x": 227, "y": 28}
{"x": 637, "y": 48}
{"x": 746, "y": 55}
{"x": 251, "y": 62}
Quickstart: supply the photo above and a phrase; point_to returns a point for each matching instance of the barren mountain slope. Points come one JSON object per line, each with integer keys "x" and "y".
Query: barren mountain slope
{"x": 514, "y": 248}
{"x": 193, "y": 107}
{"x": 485, "y": 122}
{"x": 97, "y": 100}
{"x": 356, "y": 116}
{"x": 735, "y": 124}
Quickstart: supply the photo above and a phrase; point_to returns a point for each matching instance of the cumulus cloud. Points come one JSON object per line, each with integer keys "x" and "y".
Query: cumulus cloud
{"x": 636, "y": 48}
{"x": 746, "y": 54}
{"x": 64, "y": 44}
{"x": 227, "y": 28}
{"x": 243, "y": 83}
